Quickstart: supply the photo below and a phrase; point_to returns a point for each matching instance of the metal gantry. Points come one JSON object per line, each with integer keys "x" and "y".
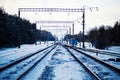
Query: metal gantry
{"x": 58, "y": 10}
{"x": 50, "y": 9}
{"x": 56, "y": 27}
{"x": 62, "y": 22}
{"x": 54, "y": 21}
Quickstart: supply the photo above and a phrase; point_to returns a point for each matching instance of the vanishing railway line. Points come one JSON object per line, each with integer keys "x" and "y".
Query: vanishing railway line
{"x": 12, "y": 71}
{"x": 28, "y": 66}
{"x": 99, "y": 68}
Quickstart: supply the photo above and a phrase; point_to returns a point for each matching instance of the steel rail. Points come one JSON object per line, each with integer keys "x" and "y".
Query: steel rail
{"x": 26, "y": 71}
{"x": 86, "y": 68}
{"x": 104, "y": 63}
{"x": 21, "y": 59}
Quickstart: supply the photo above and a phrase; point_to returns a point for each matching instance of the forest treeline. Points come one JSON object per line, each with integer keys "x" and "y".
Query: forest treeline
{"x": 100, "y": 37}
{"x": 105, "y": 36}
{"x": 15, "y": 31}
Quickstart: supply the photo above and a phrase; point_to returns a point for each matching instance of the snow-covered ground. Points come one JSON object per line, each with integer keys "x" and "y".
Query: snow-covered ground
{"x": 13, "y": 72}
{"x": 114, "y": 48}
{"x": 62, "y": 66}
{"x": 106, "y": 58}
{"x": 8, "y": 55}
{"x": 58, "y": 65}
{"x": 103, "y": 72}
{"x": 110, "y": 48}
{"x": 110, "y": 59}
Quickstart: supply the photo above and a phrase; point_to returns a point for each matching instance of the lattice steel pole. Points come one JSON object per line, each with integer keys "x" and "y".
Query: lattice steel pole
{"x": 83, "y": 28}
{"x": 19, "y": 37}
{"x": 73, "y": 38}
{"x": 83, "y": 10}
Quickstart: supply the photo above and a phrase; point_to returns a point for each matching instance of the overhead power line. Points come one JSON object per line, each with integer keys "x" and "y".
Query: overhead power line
{"x": 60, "y": 10}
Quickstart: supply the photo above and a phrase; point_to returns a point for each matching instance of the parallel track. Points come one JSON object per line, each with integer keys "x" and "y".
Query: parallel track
{"x": 28, "y": 59}
{"x": 106, "y": 64}
{"x": 20, "y": 59}
{"x": 98, "y": 77}
{"x": 25, "y": 65}
{"x": 84, "y": 66}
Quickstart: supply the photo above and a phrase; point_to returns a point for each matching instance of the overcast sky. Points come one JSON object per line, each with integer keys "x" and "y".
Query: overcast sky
{"x": 109, "y": 11}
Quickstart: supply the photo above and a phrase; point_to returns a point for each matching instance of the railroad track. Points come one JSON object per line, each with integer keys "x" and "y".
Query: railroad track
{"x": 99, "y": 69}
{"x": 84, "y": 66}
{"x": 49, "y": 59}
{"x": 62, "y": 56}
{"x": 13, "y": 60}
{"x": 16, "y": 69}
{"x": 105, "y": 56}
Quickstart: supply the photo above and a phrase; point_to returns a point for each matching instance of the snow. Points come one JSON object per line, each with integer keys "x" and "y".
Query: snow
{"x": 58, "y": 65}
{"x": 38, "y": 69}
{"x": 110, "y": 59}
{"x": 63, "y": 66}
{"x": 10, "y": 55}
{"x": 12, "y": 72}
{"x": 88, "y": 45}
{"x": 114, "y": 48}
{"x": 70, "y": 71}
{"x": 99, "y": 69}
{"x": 18, "y": 69}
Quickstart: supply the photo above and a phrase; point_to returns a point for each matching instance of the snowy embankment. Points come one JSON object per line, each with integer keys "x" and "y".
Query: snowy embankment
{"x": 58, "y": 65}
{"x": 110, "y": 59}
{"x": 88, "y": 45}
{"x": 8, "y": 55}
{"x": 62, "y": 66}
{"x": 114, "y": 48}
